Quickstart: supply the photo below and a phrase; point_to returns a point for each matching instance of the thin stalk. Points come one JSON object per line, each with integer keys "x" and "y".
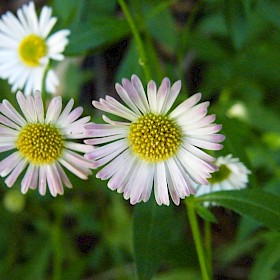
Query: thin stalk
{"x": 208, "y": 243}
{"x": 140, "y": 46}
{"x": 197, "y": 240}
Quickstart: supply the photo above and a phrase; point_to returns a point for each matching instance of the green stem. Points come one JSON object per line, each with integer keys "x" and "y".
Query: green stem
{"x": 44, "y": 91}
{"x": 197, "y": 240}
{"x": 142, "y": 55}
{"x": 208, "y": 243}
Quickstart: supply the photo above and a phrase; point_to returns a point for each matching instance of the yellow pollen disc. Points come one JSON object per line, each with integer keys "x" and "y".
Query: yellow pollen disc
{"x": 40, "y": 143}
{"x": 154, "y": 138}
{"x": 31, "y": 49}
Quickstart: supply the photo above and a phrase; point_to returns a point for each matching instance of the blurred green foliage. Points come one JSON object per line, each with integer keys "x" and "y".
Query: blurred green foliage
{"x": 229, "y": 50}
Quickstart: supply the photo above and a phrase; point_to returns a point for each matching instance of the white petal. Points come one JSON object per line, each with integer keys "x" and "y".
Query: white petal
{"x": 160, "y": 185}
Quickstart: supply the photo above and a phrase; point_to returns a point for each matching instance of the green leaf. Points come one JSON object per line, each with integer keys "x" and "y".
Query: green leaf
{"x": 267, "y": 259}
{"x": 130, "y": 63}
{"x": 257, "y": 204}
{"x": 163, "y": 31}
{"x": 270, "y": 11}
{"x": 179, "y": 274}
{"x": 205, "y": 213}
{"x": 67, "y": 11}
{"x": 152, "y": 232}
{"x": 237, "y": 21}
{"x": 95, "y": 34}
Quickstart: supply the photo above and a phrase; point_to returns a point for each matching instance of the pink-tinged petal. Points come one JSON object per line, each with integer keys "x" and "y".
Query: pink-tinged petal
{"x": 78, "y": 147}
{"x": 210, "y": 129}
{"x": 74, "y": 115}
{"x": 73, "y": 136}
{"x": 54, "y": 182}
{"x": 34, "y": 179}
{"x": 39, "y": 107}
{"x": 198, "y": 153}
{"x": 138, "y": 183}
{"x": 22, "y": 102}
{"x": 148, "y": 185}
{"x": 119, "y": 179}
{"x": 8, "y": 122}
{"x": 54, "y": 110}
{"x": 193, "y": 115}
{"x": 9, "y": 163}
{"x": 204, "y": 144}
{"x": 42, "y": 180}
{"x": 104, "y": 160}
{"x": 71, "y": 156}
{"x": 140, "y": 90}
{"x": 31, "y": 108}
{"x": 78, "y": 170}
{"x": 100, "y": 152}
{"x": 63, "y": 176}
{"x": 6, "y": 147}
{"x": 117, "y": 105}
{"x": 10, "y": 180}
{"x": 103, "y": 140}
{"x": 103, "y": 105}
{"x": 197, "y": 174}
{"x": 25, "y": 183}
{"x": 128, "y": 186}
{"x": 160, "y": 185}
{"x": 189, "y": 186}
{"x": 65, "y": 112}
{"x": 8, "y": 139}
{"x": 9, "y": 111}
{"x": 212, "y": 138}
{"x": 76, "y": 126}
{"x": 6, "y": 131}
{"x": 152, "y": 96}
{"x": 186, "y": 105}
{"x": 101, "y": 130}
{"x": 171, "y": 97}
{"x": 162, "y": 94}
{"x": 172, "y": 191}
{"x": 126, "y": 99}
{"x": 134, "y": 96}
{"x": 115, "y": 123}
{"x": 178, "y": 179}
{"x": 205, "y": 121}
{"x": 111, "y": 168}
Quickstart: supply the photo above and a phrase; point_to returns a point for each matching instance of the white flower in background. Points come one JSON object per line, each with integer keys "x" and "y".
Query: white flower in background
{"x": 156, "y": 146}
{"x": 26, "y": 49}
{"x": 42, "y": 143}
{"x": 238, "y": 110}
{"x": 232, "y": 175}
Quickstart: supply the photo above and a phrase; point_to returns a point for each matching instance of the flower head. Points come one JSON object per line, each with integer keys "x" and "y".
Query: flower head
{"x": 42, "y": 143}
{"x": 25, "y": 48}
{"x": 232, "y": 175}
{"x": 155, "y": 146}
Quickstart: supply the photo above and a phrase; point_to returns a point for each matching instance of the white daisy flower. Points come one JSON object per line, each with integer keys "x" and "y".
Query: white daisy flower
{"x": 232, "y": 175}
{"x": 42, "y": 143}
{"x": 156, "y": 146}
{"x": 26, "y": 49}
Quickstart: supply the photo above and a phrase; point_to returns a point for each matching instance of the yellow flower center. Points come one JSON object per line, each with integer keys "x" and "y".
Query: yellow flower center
{"x": 154, "y": 138}
{"x": 40, "y": 143}
{"x": 31, "y": 49}
{"x": 220, "y": 175}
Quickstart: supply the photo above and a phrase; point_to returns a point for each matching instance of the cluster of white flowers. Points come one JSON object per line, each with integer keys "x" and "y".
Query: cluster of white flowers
{"x": 154, "y": 148}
